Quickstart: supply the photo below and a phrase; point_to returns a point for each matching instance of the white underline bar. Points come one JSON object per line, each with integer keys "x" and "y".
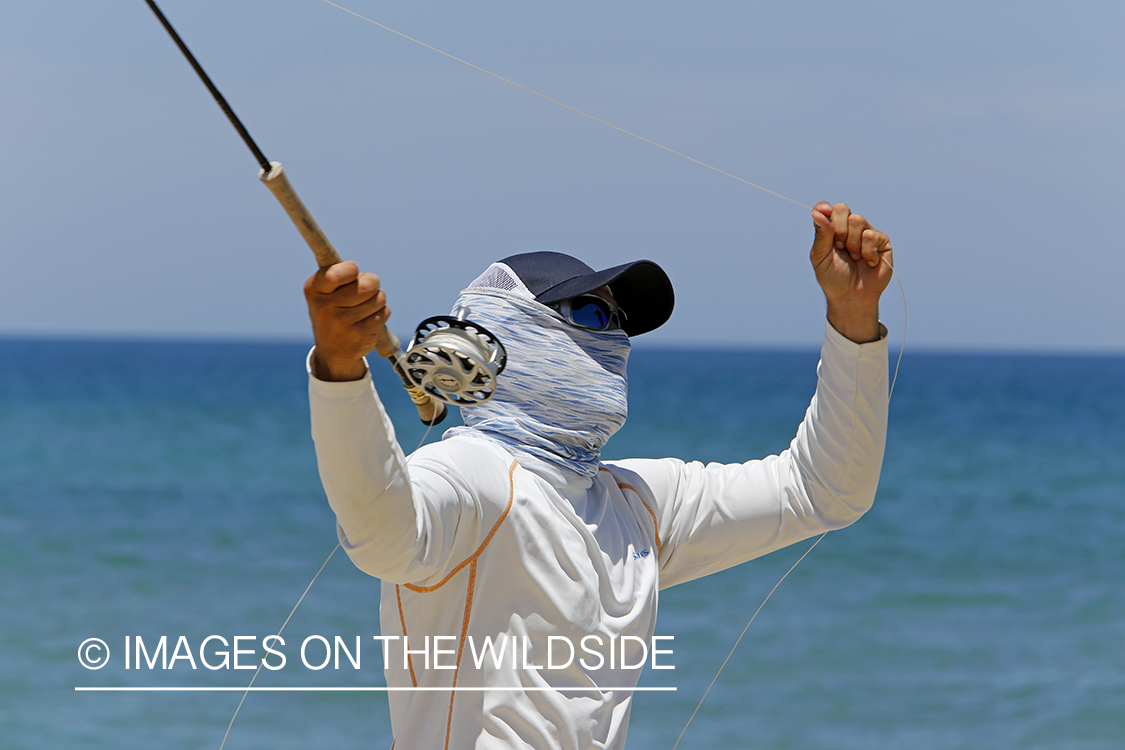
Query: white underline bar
{"x": 362, "y": 689}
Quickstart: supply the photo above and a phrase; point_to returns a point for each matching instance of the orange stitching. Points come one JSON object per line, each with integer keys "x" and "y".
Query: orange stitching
{"x": 471, "y": 561}
{"x": 472, "y": 558}
{"x": 626, "y": 486}
{"x": 461, "y": 647}
{"x": 402, "y": 619}
{"x": 655, "y": 529}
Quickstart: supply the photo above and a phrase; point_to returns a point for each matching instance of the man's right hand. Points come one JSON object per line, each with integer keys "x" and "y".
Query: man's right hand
{"x": 349, "y": 313}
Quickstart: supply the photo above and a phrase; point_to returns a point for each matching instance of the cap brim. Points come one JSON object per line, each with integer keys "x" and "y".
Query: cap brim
{"x": 641, "y": 289}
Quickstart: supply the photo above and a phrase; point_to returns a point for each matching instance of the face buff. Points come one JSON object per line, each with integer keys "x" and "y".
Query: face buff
{"x": 563, "y": 393}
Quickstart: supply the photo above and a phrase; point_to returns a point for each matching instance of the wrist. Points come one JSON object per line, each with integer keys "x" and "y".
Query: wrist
{"x": 855, "y": 322}
{"x": 337, "y": 370}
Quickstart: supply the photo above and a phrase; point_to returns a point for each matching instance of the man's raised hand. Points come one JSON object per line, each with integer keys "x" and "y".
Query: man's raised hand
{"x": 853, "y": 264}
{"x": 349, "y": 313}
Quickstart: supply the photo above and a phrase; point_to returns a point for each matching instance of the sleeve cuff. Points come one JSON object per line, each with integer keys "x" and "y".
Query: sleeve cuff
{"x": 840, "y": 340}
{"x": 336, "y": 386}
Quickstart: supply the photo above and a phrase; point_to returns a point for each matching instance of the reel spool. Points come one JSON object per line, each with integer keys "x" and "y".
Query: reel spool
{"x": 455, "y": 360}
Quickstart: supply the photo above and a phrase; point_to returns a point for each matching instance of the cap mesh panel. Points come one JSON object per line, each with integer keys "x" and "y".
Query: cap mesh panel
{"x": 500, "y": 276}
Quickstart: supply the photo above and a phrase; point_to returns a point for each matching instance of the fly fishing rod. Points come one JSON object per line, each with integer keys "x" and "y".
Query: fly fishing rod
{"x": 470, "y": 367}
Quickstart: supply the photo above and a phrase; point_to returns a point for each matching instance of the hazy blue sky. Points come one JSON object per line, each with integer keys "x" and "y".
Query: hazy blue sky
{"x": 985, "y": 138}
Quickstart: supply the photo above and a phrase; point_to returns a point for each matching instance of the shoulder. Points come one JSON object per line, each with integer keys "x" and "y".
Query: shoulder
{"x": 469, "y": 465}
{"x": 651, "y": 478}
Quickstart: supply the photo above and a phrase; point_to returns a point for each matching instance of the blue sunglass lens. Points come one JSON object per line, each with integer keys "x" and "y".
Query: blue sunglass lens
{"x": 591, "y": 312}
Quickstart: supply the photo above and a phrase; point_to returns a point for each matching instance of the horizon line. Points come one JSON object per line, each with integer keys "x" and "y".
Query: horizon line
{"x": 86, "y": 689}
{"x": 942, "y": 348}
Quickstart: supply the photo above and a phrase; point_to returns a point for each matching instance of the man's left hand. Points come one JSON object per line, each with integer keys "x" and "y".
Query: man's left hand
{"x": 853, "y": 264}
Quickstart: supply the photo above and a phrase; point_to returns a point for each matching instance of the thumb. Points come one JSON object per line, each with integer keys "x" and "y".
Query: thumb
{"x": 330, "y": 278}
{"x": 825, "y": 236}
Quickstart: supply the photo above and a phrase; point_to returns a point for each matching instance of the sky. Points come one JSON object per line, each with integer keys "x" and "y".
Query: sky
{"x": 984, "y": 138}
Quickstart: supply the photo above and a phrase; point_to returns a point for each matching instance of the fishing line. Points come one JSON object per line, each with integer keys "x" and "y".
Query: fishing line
{"x": 401, "y": 473}
{"x": 565, "y": 106}
{"x": 624, "y": 131}
{"x": 263, "y": 662}
{"x": 759, "y": 609}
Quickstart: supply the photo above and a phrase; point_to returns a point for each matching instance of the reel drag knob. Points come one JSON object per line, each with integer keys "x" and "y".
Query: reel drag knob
{"x": 455, "y": 360}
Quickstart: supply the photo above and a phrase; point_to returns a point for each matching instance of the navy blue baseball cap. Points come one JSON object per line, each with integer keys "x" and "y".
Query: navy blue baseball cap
{"x": 641, "y": 288}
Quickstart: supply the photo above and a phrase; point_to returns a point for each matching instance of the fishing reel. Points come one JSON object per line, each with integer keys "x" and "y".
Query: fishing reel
{"x": 455, "y": 360}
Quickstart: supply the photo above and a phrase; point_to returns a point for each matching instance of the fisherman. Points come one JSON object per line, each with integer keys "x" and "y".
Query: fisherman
{"x": 511, "y": 557}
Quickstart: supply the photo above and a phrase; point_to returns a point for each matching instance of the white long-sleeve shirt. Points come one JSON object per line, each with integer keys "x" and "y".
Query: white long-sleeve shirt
{"x": 479, "y": 552}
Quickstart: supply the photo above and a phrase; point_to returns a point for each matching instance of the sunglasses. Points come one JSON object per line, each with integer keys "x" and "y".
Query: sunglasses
{"x": 591, "y": 312}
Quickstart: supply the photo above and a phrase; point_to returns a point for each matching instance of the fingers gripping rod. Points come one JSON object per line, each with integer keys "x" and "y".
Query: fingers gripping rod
{"x": 430, "y": 410}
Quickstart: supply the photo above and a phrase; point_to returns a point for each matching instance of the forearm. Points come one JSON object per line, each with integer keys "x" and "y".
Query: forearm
{"x": 837, "y": 455}
{"x": 363, "y": 472}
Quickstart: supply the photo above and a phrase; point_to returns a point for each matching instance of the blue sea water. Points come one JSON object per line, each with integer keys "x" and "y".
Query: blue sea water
{"x": 170, "y": 488}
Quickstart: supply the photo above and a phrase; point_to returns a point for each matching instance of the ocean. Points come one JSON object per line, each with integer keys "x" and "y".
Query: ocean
{"x": 154, "y": 489}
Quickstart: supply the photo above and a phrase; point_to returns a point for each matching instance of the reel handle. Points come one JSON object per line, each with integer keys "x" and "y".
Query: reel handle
{"x": 430, "y": 411}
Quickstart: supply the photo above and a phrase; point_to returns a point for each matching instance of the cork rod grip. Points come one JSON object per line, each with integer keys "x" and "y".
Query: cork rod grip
{"x": 431, "y": 411}
{"x": 278, "y": 184}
